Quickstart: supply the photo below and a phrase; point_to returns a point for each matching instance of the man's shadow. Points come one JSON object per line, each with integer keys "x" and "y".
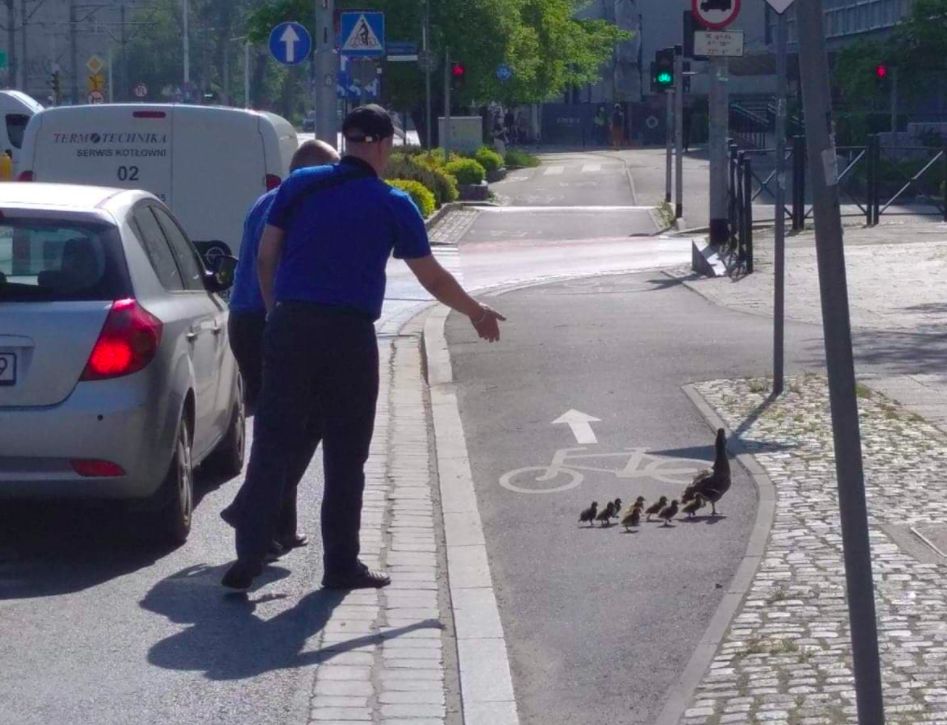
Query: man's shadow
{"x": 228, "y": 641}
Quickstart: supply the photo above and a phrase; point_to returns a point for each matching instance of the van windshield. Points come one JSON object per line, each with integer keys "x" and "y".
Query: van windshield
{"x": 16, "y": 127}
{"x": 43, "y": 260}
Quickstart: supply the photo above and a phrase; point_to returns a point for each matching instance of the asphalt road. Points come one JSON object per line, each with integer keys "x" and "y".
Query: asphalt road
{"x": 598, "y": 622}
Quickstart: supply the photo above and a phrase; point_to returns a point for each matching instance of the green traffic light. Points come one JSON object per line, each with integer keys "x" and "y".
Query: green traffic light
{"x": 664, "y": 78}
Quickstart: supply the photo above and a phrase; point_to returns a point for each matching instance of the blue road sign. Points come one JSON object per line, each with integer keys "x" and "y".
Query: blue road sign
{"x": 362, "y": 34}
{"x": 504, "y": 72}
{"x": 290, "y": 43}
{"x": 400, "y": 47}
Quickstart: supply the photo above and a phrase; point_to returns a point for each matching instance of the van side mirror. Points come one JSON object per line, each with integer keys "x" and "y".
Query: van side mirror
{"x": 221, "y": 277}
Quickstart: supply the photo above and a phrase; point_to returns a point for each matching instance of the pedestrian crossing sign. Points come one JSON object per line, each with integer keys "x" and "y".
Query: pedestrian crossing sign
{"x": 363, "y": 34}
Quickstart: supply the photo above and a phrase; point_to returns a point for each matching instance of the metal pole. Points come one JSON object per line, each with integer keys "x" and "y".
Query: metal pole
{"x": 123, "y": 77}
{"x": 445, "y": 142}
{"x": 894, "y": 99}
{"x": 426, "y": 39}
{"x": 669, "y": 142}
{"x": 327, "y": 74}
{"x": 679, "y": 131}
{"x": 779, "y": 251}
{"x": 836, "y": 322}
{"x": 24, "y": 62}
{"x": 187, "y": 46}
{"x": 719, "y": 133}
{"x": 74, "y": 52}
{"x": 13, "y": 80}
{"x": 246, "y": 74}
{"x": 111, "y": 78}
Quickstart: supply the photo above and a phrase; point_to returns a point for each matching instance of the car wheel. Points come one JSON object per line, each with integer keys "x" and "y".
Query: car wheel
{"x": 178, "y": 490}
{"x": 227, "y": 458}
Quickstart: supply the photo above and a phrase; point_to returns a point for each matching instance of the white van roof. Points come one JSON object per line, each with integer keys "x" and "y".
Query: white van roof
{"x": 17, "y": 100}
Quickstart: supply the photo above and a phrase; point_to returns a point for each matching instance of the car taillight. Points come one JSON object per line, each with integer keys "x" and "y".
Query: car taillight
{"x": 25, "y": 176}
{"x": 127, "y": 343}
{"x": 272, "y": 181}
{"x": 96, "y": 468}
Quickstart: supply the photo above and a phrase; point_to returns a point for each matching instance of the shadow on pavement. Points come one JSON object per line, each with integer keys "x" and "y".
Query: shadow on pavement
{"x": 901, "y": 352}
{"x": 48, "y": 548}
{"x": 226, "y": 640}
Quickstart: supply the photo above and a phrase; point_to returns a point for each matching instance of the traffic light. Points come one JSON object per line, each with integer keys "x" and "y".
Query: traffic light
{"x": 55, "y": 85}
{"x": 662, "y": 70}
{"x": 458, "y": 76}
{"x": 881, "y": 71}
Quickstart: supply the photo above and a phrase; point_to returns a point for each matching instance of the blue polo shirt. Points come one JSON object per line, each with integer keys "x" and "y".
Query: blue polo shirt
{"x": 339, "y": 237}
{"x": 245, "y": 295}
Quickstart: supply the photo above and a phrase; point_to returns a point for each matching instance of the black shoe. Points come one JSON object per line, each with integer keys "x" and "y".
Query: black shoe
{"x": 293, "y": 541}
{"x": 275, "y": 551}
{"x": 241, "y": 574}
{"x": 229, "y": 516}
{"x": 363, "y": 578}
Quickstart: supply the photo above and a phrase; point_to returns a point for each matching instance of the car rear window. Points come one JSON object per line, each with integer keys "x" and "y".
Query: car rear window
{"x": 50, "y": 261}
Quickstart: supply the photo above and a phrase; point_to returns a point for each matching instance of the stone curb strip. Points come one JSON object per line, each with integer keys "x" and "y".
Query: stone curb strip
{"x": 485, "y": 679}
{"x": 681, "y": 693}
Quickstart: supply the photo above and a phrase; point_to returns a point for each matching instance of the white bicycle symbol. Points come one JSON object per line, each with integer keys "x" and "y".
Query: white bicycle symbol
{"x": 565, "y": 472}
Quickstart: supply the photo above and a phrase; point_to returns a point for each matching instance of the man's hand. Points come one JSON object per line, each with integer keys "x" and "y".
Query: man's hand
{"x": 487, "y": 323}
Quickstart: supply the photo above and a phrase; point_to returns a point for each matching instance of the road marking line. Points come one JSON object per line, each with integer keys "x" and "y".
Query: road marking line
{"x": 591, "y": 168}
{"x": 554, "y": 171}
{"x": 571, "y": 209}
{"x": 581, "y": 425}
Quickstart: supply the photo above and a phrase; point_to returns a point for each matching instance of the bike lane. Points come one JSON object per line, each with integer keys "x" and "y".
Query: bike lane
{"x": 599, "y": 623}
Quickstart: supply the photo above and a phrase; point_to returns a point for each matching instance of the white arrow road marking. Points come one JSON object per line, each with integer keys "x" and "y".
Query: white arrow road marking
{"x": 580, "y": 425}
{"x": 290, "y": 37}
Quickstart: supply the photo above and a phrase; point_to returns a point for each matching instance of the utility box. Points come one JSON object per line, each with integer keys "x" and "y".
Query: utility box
{"x": 466, "y": 132}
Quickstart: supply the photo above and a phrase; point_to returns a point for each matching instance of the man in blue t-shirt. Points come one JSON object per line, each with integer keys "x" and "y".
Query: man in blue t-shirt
{"x": 245, "y": 330}
{"x": 322, "y": 260}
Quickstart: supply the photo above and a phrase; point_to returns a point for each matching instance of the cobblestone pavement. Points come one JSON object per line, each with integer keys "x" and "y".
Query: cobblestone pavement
{"x": 384, "y": 652}
{"x": 453, "y": 226}
{"x": 786, "y": 658}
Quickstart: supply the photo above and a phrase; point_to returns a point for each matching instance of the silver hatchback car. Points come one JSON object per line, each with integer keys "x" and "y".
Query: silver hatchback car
{"x": 116, "y": 376}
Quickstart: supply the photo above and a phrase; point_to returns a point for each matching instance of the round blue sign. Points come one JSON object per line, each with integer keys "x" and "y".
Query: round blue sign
{"x": 504, "y": 72}
{"x": 290, "y": 43}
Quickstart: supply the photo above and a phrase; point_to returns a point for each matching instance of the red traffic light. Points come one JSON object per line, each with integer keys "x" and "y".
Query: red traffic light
{"x": 458, "y": 70}
{"x": 881, "y": 71}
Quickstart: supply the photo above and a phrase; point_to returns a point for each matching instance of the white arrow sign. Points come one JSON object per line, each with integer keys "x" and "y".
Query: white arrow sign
{"x": 290, "y": 37}
{"x": 580, "y": 425}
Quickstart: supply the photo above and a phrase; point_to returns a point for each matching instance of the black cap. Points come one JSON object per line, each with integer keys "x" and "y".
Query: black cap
{"x": 367, "y": 124}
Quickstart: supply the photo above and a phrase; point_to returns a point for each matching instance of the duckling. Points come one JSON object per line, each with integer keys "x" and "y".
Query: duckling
{"x": 616, "y": 508}
{"x": 605, "y": 515}
{"x": 669, "y": 513}
{"x": 588, "y": 515}
{"x": 637, "y": 503}
{"x": 657, "y": 507}
{"x": 691, "y": 508}
{"x": 632, "y": 518}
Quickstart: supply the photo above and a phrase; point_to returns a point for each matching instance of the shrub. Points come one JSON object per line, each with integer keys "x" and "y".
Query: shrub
{"x": 519, "y": 159}
{"x": 489, "y": 159}
{"x": 466, "y": 171}
{"x": 421, "y": 196}
{"x": 438, "y": 181}
{"x": 437, "y": 157}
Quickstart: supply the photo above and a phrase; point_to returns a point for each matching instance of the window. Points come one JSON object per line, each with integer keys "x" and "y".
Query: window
{"x": 156, "y": 247}
{"x": 52, "y": 261}
{"x": 16, "y": 127}
{"x": 192, "y": 269}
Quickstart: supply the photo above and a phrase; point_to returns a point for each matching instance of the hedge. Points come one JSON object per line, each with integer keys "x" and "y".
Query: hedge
{"x": 489, "y": 159}
{"x": 466, "y": 171}
{"x": 421, "y": 196}
{"x": 414, "y": 168}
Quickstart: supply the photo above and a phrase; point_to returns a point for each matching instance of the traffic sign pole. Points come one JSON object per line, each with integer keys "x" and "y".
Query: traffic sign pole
{"x": 327, "y": 74}
{"x": 837, "y": 331}
{"x": 779, "y": 247}
{"x": 718, "y": 137}
{"x": 679, "y": 131}
{"x": 669, "y": 142}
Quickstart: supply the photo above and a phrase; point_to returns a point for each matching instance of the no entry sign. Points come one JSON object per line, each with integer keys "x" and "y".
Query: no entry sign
{"x": 715, "y": 14}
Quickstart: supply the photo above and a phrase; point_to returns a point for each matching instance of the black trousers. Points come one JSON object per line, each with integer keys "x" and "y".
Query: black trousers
{"x": 245, "y": 330}
{"x": 320, "y": 382}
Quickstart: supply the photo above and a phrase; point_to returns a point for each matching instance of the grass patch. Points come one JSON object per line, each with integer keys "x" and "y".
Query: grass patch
{"x": 863, "y": 391}
{"x": 666, "y": 213}
{"x": 759, "y": 385}
{"x": 519, "y": 159}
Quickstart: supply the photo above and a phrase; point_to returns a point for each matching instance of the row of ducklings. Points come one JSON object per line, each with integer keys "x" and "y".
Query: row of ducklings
{"x": 631, "y": 516}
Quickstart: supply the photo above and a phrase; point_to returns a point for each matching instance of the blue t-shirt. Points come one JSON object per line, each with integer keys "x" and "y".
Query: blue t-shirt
{"x": 245, "y": 295}
{"x": 339, "y": 237}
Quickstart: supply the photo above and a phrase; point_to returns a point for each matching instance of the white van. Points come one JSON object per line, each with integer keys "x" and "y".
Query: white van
{"x": 16, "y": 110}
{"x": 209, "y": 164}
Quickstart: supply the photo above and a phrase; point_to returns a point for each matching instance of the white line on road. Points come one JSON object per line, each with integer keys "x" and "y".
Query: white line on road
{"x": 571, "y": 209}
{"x": 591, "y": 168}
{"x": 580, "y": 423}
{"x": 554, "y": 171}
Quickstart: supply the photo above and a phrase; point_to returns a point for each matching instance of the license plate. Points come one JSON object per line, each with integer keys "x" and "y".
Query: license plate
{"x": 7, "y": 368}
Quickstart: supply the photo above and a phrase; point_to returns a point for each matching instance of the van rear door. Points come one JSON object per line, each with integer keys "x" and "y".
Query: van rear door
{"x": 124, "y": 146}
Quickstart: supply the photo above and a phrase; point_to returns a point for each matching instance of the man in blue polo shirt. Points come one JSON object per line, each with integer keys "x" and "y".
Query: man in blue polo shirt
{"x": 322, "y": 263}
{"x": 245, "y": 330}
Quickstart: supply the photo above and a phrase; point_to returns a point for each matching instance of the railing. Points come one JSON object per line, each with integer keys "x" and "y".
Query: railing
{"x": 749, "y": 128}
{"x": 738, "y": 256}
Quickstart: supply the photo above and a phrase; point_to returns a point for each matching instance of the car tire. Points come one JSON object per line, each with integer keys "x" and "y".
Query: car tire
{"x": 228, "y": 457}
{"x": 174, "y": 517}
